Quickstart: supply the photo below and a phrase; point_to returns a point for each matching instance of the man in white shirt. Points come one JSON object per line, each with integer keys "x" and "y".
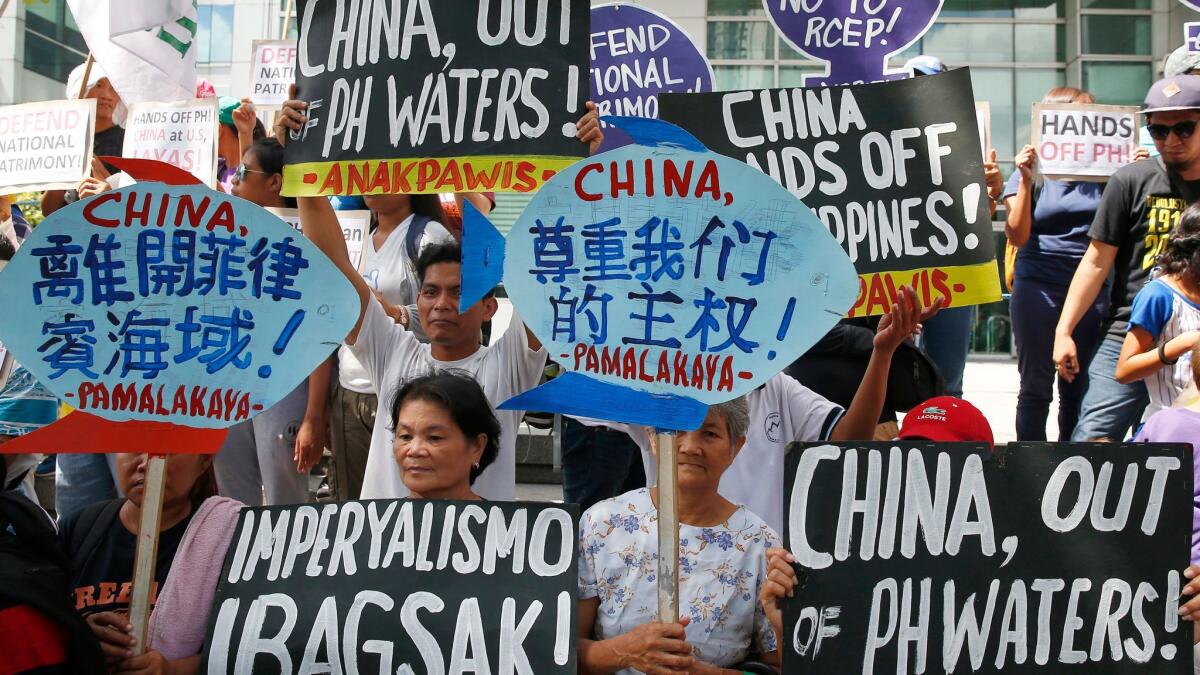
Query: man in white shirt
{"x": 390, "y": 354}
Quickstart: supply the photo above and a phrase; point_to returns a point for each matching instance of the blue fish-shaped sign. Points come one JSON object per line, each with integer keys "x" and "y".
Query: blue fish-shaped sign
{"x": 664, "y": 277}
{"x": 171, "y": 303}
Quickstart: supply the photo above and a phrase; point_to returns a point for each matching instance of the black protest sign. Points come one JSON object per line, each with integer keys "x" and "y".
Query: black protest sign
{"x": 892, "y": 169}
{"x": 1043, "y": 558}
{"x": 446, "y": 96}
{"x": 398, "y": 586}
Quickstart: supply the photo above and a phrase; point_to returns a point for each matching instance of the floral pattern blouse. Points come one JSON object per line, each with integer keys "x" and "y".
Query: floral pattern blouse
{"x": 721, "y": 570}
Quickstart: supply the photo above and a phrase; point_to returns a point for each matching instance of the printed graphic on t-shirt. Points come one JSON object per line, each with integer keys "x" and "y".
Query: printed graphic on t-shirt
{"x": 1162, "y": 215}
{"x": 108, "y": 596}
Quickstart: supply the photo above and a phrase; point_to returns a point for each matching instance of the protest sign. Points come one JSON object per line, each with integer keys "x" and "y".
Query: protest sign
{"x": 893, "y": 170}
{"x": 453, "y": 96}
{"x": 46, "y": 146}
{"x": 272, "y": 72}
{"x": 1191, "y": 35}
{"x": 1083, "y": 142}
{"x": 172, "y": 304}
{"x": 182, "y": 134}
{"x": 637, "y": 54}
{"x": 983, "y": 118}
{"x": 356, "y": 227}
{"x": 405, "y": 586}
{"x": 661, "y": 269}
{"x": 1040, "y": 558}
{"x": 854, "y": 38}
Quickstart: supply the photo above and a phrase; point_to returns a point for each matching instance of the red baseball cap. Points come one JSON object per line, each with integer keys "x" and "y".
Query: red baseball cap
{"x": 945, "y": 418}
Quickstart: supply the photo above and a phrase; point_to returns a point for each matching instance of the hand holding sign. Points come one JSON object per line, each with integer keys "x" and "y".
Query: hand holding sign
{"x": 855, "y": 38}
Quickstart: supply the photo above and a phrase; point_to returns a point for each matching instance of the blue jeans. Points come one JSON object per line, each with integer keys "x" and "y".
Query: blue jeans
{"x": 83, "y": 479}
{"x": 598, "y": 463}
{"x": 946, "y": 338}
{"x": 1109, "y": 408}
{"x": 1035, "y": 307}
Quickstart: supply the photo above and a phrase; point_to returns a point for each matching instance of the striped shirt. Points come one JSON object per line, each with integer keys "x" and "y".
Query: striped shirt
{"x": 1163, "y": 312}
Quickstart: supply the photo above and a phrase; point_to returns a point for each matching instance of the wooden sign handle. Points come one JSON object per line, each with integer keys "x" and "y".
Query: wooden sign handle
{"x": 287, "y": 19}
{"x": 668, "y": 531}
{"x": 147, "y": 550}
{"x": 87, "y": 72}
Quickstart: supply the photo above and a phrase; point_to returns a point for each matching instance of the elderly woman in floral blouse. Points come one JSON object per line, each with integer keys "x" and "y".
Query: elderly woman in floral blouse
{"x": 722, "y": 569}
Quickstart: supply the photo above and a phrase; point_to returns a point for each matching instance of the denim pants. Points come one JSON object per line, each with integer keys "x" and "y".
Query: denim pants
{"x": 946, "y": 338}
{"x": 598, "y": 463}
{"x": 82, "y": 479}
{"x": 1035, "y": 307}
{"x": 1109, "y": 408}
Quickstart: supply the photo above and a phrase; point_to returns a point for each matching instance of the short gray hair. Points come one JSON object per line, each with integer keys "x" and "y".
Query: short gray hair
{"x": 737, "y": 416}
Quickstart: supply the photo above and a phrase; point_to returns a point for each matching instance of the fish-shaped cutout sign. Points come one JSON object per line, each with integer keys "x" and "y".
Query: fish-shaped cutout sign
{"x": 171, "y": 304}
{"x": 663, "y": 277}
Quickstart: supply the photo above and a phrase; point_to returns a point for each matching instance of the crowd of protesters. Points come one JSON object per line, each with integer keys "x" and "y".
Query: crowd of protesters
{"x": 1105, "y": 304}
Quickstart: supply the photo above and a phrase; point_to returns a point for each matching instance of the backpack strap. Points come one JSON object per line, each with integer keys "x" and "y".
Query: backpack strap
{"x": 91, "y": 526}
{"x": 412, "y": 238}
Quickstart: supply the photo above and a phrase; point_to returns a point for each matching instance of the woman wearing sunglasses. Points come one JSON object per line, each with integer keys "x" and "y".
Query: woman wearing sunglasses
{"x": 1048, "y": 222}
{"x": 258, "y": 458}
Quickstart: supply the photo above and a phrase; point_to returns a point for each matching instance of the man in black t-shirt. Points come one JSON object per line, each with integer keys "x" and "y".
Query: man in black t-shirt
{"x": 1141, "y": 205}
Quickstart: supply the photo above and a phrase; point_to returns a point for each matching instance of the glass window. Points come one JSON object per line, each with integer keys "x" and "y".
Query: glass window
{"x": 1118, "y": 83}
{"x": 744, "y": 77}
{"x": 746, "y": 40}
{"x": 53, "y": 45}
{"x": 1025, "y": 9}
{"x": 1040, "y": 42}
{"x": 736, "y": 8}
{"x": 48, "y": 58}
{"x": 793, "y": 76}
{"x": 1032, "y": 85}
{"x": 970, "y": 42}
{"x": 995, "y": 85}
{"x": 1116, "y": 34}
{"x": 215, "y": 34}
{"x": 1115, "y": 4}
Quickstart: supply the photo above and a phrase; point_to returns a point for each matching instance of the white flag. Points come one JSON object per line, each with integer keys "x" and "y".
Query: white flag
{"x": 127, "y": 16}
{"x": 148, "y": 65}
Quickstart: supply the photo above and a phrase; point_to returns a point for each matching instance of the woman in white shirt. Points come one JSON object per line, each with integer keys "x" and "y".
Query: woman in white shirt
{"x": 722, "y": 569}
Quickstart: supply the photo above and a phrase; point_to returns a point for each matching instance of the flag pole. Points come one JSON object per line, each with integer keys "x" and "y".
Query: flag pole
{"x": 3, "y": 6}
{"x": 287, "y": 19}
{"x": 87, "y": 72}
{"x": 668, "y": 531}
{"x": 147, "y": 550}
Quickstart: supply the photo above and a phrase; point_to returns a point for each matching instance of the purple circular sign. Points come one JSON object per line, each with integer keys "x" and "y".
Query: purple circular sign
{"x": 1193, "y": 4}
{"x": 638, "y": 54}
{"x": 855, "y": 37}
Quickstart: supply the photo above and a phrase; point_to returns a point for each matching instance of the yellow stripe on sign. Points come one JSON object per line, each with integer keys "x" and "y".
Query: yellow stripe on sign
{"x": 963, "y": 285}
{"x": 421, "y": 176}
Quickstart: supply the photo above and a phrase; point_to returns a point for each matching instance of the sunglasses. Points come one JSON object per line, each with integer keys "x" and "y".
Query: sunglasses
{"x": 1183, "y": 130}
{"x": 241, "y": 171}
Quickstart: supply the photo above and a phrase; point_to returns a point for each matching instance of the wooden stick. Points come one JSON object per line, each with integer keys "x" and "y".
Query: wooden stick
{"x": 147, "y": 550}
{"x": 287, "y": 19}
{"x": 87, "y": 72}
{"x": 3, "y": 6}
{"x": 668, "y": 531}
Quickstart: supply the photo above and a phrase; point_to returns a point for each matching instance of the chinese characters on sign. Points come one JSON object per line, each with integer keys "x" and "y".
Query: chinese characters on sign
{"x": 172, "y": 303}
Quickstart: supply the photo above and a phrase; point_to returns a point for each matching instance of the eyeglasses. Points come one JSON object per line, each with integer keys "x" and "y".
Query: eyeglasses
{"x": 1183, "y": 130}
{"x": 241, "y": 171}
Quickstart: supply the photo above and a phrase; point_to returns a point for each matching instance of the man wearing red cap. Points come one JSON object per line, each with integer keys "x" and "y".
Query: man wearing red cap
{"x": 946, "y": 419}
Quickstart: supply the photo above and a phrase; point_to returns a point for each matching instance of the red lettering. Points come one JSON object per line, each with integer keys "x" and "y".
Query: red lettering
{"x": 525, "y": 180}
{"x": 480, "y": 181}
{"x": 356, "y": 182}
{"x": 580, "y": 350}
{"x": 159, "y": 401}
{"x": 197, "y": 400}
{"x": 223, "y": 217}
{"x": 89, "y": 209}
{"x": 579, "y": 191}
{"x": 615, "y": 182}
{"x": 710, "y": 181}
{"x": 642, "y": 374}
{"x": 186, "y": 207}
{"x": 146, "y": 403}
{"x": 726, "y": 383}
{"x": 629, "y": 365}
{"x": 649, "y": 178}
{"x": 243, "y": 407}
{"x": 230, "y": 402}
{"x": 427, "y": 172}
{"x": 593, "y": 363}
{"x": 124, "y": 397}
{"x": 698, "y": 372}
{"x": 710, "y": 369}
{"x": 673, "y": 182}
{"x": 681, "y": 377}
{"x": 611, "y": 361}
{"x": 664, "y": 369}
{"x": 451, "y": 177}
{"x": 107, "y": 592}
{"x": 333, "y": 180}
{"x": 400, "y": 185}
{"x": 381, "y": 179}
{"x": 133, "y": 213}
{"x": 939, "y": 283}
{"x": 179, "y": 405}
{"x": 214, "y": 405}
{"x": 85, "y": 390}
